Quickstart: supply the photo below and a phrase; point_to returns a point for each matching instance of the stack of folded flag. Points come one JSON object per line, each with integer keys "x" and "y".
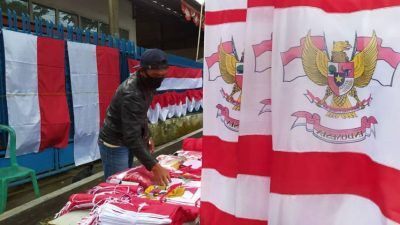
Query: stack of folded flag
{"x": 130, "y": 197}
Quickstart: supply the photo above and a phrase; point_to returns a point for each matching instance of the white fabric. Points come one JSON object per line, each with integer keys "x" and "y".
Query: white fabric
{"x": 289, "y": 89}
{"x": 325, "y": 209}
{"x": 255, "y": 119}
{"x": 362, "y": 24}
{"x": 170, "y": 111}
{"x": 85, "y": 97}
{"x": 22, "y": 89}
{"x": 218, "y": 190}
{"x": 252, "y": 197}
{"x": 225, "y": 5}
{"x": 110, "y": 214}
{"x": 180, "y": 84}
{"x": 214, "y": 35}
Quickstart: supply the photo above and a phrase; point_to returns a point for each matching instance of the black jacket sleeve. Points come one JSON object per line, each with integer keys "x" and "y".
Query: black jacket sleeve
{"x": 133, "y": 119}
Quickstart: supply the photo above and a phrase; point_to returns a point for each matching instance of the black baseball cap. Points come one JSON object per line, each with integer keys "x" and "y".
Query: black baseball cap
{"x": 154, "y": 59}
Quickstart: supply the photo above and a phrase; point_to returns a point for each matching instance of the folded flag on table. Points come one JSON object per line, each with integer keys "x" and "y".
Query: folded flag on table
{"x": 140, "y": 211}
{"x": 108, "y": 188}
{"x": 84, "y": 201}
{"x": 138, "y": 175}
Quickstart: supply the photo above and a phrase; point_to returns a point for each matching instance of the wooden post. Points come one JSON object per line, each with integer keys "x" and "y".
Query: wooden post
{"x": 113, "y": 17}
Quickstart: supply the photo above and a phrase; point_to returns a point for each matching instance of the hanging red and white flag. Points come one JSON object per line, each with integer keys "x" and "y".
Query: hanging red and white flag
{"x": 35, "y": 87}
{"x": 335, "y": 141}
{"x": 94, "y": 72}
{"x": 225, "y": 28}
{"x": 179, "y": 92}
{"x": 255, "y": 131}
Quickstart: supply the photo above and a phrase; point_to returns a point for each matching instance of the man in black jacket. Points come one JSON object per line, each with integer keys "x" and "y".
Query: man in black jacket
{"x": 125, "y": 132}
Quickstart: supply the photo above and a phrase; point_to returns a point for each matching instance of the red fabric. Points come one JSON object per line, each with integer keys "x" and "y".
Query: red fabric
{"x": 173, "y": 71}
{"x": 184, "y": 72}
{"x": 132, "y": 65}
{"x": 138, "y": 175}
{"x": 225, "y": 16}
{"x": 86, "y": 201}
{"x": 176, "y": 98}
{"x": 222, "y": 157}
{"x": 115, "y": 189}
{"x": 187, "y": 173}
{"x": 108, "y": 76}
{"x": 259, "y": 3}
{"x": 193, "y": 144}
{"x": 222, "y": 218}
{"x": 255, "y": 155}
{"x": 337, "y": 173}
{"x": 54, "y": 113}
{"x": 180, "y": 214}
{"x": 339, "y": 6}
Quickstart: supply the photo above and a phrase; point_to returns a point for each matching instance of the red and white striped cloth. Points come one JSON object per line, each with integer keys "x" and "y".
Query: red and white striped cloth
{"x": 179, "y": 93}
{"x": 171, "y": 103}
{"x": 333, "y": 161}
{"x": 178, "y": 78}
{"x": 235, "y": 176}
{"x": 95, "y": 77}
{"x": 136, "y": 210}
{"x": 35, "y": 88}
{"x": 335, "y": 170}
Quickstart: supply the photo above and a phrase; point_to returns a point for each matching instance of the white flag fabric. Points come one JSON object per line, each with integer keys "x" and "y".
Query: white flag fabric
{"x": 22, "y": 69}
{"x": 255, "y": 139}
{"x": 94, "y": 72}
{"x": 302, "y": 130}
{"x": 85, "y": 98}
{"x": 224, "y": 48}
{"x": 334, "y": 138}
{"x": 35, "y": 83}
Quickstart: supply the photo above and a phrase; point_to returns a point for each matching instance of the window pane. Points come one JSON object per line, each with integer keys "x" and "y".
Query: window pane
{"x": 88, "y": 24}
{"x": 124, "y": 34}
{"x": 67, "y": 19}
{"x": 104, "y": 28}
{"x": 20, "y": 6}
{"x": 44, "y": 12}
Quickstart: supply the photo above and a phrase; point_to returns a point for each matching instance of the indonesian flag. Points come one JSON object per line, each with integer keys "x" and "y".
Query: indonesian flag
{"x": 238, "y": 142}
{"x": 94, "y": 72}
{"x": 255, "y": 131}
{"x": 336, "y": 158}
{"x": 330, "y": 73}
{"x": 178, "y": 94}
{"x": 223, "y": 78}
{"x": 35, "y": 87}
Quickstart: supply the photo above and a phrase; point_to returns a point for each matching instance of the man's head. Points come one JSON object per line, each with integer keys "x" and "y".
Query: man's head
{"x": 154, "y": 63}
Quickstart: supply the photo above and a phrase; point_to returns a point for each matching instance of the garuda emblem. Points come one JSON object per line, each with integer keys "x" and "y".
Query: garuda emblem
{"x": 231, "y": 68}
{"x": 341, "y": 75}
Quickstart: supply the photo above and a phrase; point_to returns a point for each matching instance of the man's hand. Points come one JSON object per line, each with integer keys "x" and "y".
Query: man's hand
{"x": 151, "y": 145}
{"x": 161, "y": 175}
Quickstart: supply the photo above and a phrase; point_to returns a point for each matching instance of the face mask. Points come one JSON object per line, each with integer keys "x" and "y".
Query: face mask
{"x": 153, "y": 83}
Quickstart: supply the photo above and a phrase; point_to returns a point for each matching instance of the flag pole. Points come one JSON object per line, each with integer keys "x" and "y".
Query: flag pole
{"x": 199, "y": 36}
